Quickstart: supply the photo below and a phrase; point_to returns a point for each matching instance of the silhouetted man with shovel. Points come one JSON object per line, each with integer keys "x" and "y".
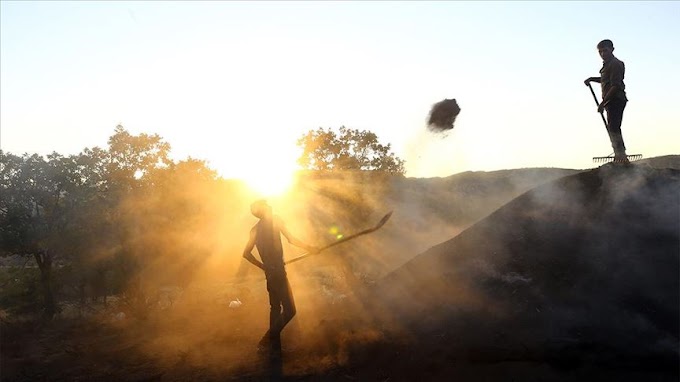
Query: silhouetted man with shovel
{"x": 613, "y": 96}
{"x": 266, "y": 235}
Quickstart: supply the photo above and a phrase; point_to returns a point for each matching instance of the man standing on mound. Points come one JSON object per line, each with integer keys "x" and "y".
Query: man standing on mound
{"x": 266, "y": 235}
{"x": 613, "y": 96}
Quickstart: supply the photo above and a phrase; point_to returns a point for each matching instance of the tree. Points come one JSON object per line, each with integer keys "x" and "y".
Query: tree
{"x": 358, "y": 172}
{"x": 72, "y": 209}
{"x": 36, "y": 203}
{"x": 347, "y": 149}
{"x": 121, "y": 219}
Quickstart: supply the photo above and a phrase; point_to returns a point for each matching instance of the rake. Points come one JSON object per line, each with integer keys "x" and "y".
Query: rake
{"x": 610, "y": 157}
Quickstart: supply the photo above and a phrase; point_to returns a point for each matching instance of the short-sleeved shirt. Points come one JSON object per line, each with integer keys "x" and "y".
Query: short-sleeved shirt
{"x": 611, "y": 74}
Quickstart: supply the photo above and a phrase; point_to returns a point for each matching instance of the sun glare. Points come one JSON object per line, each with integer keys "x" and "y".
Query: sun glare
{"x": 270, "y": 176}
{"x": 269, "y": 182}
{"x": 266, "y": 161}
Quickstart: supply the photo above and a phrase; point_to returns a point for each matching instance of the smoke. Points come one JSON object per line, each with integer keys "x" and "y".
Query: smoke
{"x": 181, "y": 252}
{"x": 559, "y": 260}
{"x": 544, "y": 275}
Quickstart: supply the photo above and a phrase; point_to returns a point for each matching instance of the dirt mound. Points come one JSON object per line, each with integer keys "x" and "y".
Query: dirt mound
{"x": 582, "y": 268}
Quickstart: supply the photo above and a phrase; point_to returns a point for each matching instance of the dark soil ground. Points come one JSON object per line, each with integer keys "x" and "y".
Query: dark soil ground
{"x": 94, "y": 351}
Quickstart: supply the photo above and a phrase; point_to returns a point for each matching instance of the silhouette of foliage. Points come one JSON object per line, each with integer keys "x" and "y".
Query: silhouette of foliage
{"x": 104, "y": 217}
{"x": 39, "y": 199}
{"x": 347, "y": 150}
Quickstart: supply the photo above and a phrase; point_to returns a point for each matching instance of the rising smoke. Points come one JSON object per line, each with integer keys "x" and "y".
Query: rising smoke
{"x": 588, "y": 261}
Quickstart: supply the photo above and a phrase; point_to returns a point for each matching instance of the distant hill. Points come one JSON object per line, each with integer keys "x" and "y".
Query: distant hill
{"x": 667, "y": 161}
{"x": 583, "y": 268}
{"x": 427, "y": 211}
{"x": 466, "y": 197}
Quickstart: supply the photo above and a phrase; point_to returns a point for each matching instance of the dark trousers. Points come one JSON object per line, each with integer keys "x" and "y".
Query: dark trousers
{"x": 614, "y": 118}
{"x": 282, "y": 305}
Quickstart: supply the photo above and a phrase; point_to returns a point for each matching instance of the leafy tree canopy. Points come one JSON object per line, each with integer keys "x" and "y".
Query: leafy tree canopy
{"x": 347, "y": 149}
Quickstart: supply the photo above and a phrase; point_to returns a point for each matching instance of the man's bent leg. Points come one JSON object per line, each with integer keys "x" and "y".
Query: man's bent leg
{"x": 288, "y": 304}
{"x": 275, "y": 317}
{"x": 281, "y": 293}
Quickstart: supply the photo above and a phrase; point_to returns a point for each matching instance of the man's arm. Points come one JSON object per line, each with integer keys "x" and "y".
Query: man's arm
{"x": 592, "y": 79}
{"x": 247, "y": 252}
{"x": 293, "y": 240}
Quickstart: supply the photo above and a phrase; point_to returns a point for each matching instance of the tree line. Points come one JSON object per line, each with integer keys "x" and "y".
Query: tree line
{"x": 99, "y": 219}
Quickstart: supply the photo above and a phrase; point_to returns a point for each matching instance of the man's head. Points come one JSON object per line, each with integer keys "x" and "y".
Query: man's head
{"x": 606, "y": 49}
{"x": 260, "y": 208}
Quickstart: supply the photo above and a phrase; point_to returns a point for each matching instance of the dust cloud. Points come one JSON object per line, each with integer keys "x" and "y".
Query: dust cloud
{"x": 534, "y": 278}
{"x": 191, "y": 301}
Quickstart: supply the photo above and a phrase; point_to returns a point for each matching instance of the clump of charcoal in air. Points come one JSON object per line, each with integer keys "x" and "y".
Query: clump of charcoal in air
{"x": 443, "y": 115}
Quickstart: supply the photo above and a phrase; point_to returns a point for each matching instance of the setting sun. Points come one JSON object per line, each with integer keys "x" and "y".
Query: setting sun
{"x": 268, "y": 182}
{"x": 270, "y": 174}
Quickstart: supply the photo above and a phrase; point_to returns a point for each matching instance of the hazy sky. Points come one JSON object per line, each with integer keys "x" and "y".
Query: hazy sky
{"x": 230, "y": 82}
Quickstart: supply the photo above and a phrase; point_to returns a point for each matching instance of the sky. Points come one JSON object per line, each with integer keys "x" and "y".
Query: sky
{"x": 237, "y": 83}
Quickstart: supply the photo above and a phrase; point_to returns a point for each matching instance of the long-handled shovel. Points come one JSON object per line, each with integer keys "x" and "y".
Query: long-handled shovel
{"x": 344, "y": 239}
{"x": 609, "y": 158}
{"x": 305, "y": 255}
